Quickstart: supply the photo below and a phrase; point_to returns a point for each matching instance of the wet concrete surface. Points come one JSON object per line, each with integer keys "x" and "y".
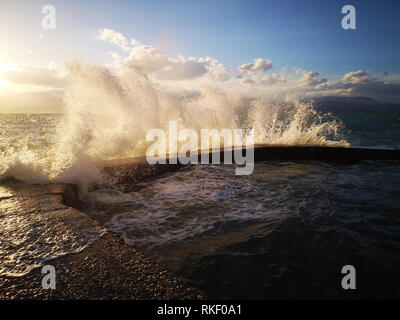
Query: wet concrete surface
{"x": 37, "y": 229}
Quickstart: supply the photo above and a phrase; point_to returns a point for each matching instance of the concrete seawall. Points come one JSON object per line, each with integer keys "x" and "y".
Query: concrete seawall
{"x": 269, "y": 153}
{"x": 124, "y": 174}
{"x": 106, "y": 269}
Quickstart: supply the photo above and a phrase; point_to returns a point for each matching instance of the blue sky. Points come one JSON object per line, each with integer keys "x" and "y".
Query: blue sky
{"x": 295, "y": 34}
{"x": 304, "y": 34}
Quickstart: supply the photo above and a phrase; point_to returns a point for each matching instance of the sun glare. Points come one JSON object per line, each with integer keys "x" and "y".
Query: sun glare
{"x": 7, "y": 67}
{"x": 4, "y": 83}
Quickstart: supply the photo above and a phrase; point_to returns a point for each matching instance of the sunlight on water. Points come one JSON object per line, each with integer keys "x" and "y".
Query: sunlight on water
{"x": 35, "y": 227}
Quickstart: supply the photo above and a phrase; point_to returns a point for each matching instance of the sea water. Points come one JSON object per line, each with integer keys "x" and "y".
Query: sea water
{"x": 284, "y": 231}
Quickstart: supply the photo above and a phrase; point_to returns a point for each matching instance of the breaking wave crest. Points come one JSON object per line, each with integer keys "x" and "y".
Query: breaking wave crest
{"x": 107, "y": 116}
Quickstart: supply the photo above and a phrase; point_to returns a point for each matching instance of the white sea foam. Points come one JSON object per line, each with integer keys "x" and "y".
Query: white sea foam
{"x": 37, "y": 230}
{"x": 164, "y": 210}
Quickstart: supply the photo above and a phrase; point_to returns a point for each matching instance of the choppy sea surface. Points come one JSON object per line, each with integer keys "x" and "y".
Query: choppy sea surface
{"x": 285, "y": 231}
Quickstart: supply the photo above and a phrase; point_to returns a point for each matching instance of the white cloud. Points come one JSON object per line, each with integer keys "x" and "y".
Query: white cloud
{"x": 182, "y": 69}
{"x": 216, "y": 71}
{"x": 257, "y": 66}
{"x": 356, "y": 77}
{"x": 355, "y": 83}
{"x": 113, "y": 37}
{"x": 247, "y": 82}
{"x": 39, "y": 76}
{"x": 148, "y": 58}
{"x": 273, "y": 79}
{"x": 154, "y": 61}
{"x": 310, "y": 79}
{"x": 250, "y": 76}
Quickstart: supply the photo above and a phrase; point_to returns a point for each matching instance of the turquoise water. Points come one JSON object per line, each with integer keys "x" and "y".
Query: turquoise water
{"x": 372, "y": 129}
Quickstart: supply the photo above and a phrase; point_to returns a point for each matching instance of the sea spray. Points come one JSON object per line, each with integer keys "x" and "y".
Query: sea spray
{"x": 27, "y": 146}
{"x": 108, "y": 114}
{"x": 291, "y": 122}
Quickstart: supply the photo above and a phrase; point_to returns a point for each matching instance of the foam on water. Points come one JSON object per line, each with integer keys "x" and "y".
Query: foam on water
{"x": 194, "y": 200}
{"x": 294, "y": 219}
{"x": 35, "y": 228}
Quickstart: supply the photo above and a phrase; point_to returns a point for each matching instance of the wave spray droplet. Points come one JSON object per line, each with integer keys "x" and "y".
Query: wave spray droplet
{"x": 107, "y": 116}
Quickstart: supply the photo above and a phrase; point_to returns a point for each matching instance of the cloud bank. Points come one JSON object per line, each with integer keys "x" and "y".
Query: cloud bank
{"x": 258, "y": 77}
{"x": 254, "y": 76}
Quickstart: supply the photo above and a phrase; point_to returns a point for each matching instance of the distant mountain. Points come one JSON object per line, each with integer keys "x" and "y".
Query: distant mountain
{"x": 32, "y": 102}
{"x": 353, "y": 104}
